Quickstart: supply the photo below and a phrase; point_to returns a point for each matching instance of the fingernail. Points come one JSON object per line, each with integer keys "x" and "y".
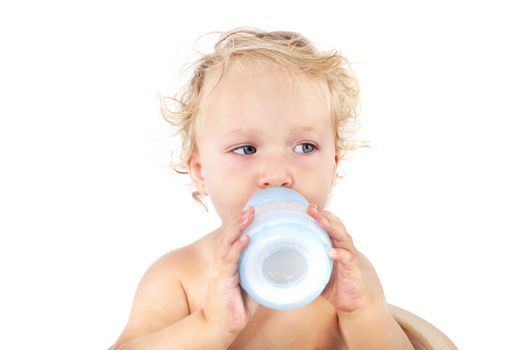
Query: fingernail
{"x": 315, "y": 207}
{"x": 244, "y": 217}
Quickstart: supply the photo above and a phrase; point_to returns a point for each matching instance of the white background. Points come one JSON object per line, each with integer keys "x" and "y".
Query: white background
{"x": 87, "y": 201}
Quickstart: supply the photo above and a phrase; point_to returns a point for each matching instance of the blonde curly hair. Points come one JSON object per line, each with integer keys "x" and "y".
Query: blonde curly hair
{"x": 289, "y": 51}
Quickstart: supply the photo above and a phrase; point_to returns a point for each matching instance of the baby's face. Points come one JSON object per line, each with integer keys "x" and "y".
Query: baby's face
{"x": 260, "y": 129}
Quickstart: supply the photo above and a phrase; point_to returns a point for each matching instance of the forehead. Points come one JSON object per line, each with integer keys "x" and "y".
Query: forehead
{"x": 263, "y": 97}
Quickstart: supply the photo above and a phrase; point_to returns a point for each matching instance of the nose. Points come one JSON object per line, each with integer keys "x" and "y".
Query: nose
{"x": 275, "y": 173}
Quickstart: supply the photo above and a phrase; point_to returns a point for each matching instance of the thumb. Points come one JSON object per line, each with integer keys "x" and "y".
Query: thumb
{"x": 329, "y": 288}
{"x": 249, "y": 303}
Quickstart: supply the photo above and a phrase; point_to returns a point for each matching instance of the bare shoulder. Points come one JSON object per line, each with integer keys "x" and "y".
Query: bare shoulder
{"x": 161, "y": 298}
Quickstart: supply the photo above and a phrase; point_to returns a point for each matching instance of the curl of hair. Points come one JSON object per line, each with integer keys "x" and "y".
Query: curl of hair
{"x": 289, "y": 51}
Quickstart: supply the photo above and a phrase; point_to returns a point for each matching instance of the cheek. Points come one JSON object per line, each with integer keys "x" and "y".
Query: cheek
{"x": 228, "y": 197}
{"x": 226, "y": 181}
{"x": 318, "y": 183}
{"x": 224, "y": 170}
{"x": 319, "y": 164}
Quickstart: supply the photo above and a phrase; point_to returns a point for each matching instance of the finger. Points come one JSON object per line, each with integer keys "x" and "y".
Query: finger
{"x": 343, "y": 257}
{"x": 249, "y": 303}
{"x": 233, "y": 230}
{"x": 333, "y": 226}
{"x": 338, "y": 231}
{"x": 234, "y": 254}
{"x": 346, "y": 264}
{"x": 328, "y": 290}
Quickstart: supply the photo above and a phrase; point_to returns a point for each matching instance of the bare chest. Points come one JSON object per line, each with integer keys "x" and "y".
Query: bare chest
{"x": 306, "y": 328}
{"x": 313, "y": 326}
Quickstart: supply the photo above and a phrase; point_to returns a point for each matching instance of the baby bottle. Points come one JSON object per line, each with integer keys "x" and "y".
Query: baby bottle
{"x": 286, "y": 263}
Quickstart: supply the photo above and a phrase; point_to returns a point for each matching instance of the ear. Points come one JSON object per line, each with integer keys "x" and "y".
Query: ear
{"x": 196, "y": 172}
{"x": 337, "y": 159}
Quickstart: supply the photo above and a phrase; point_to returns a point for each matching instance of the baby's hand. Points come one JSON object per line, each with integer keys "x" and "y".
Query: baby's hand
{"x": 354, "y": 284}
{"x": 228, "y": 307}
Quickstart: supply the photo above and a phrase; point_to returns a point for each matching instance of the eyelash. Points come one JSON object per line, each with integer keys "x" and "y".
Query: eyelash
{"x": 304, "y": 143}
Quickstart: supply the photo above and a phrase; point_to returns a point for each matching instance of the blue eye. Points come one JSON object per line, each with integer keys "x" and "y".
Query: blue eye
{"x": 306, "y": 147}
{"x": 247, "y": 149}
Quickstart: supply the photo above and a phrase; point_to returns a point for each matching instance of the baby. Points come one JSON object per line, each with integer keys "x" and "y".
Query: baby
{"x": 262, "y": 110}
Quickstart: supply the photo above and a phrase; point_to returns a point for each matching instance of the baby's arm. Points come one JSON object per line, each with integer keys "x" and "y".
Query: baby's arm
{"x": 374, "y": 326}
{"x": 355, "y": 291}
{"x": 160, "y": 316}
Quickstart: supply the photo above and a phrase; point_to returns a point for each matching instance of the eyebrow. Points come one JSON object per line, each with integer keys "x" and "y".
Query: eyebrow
{"x": 252, "y": 131}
